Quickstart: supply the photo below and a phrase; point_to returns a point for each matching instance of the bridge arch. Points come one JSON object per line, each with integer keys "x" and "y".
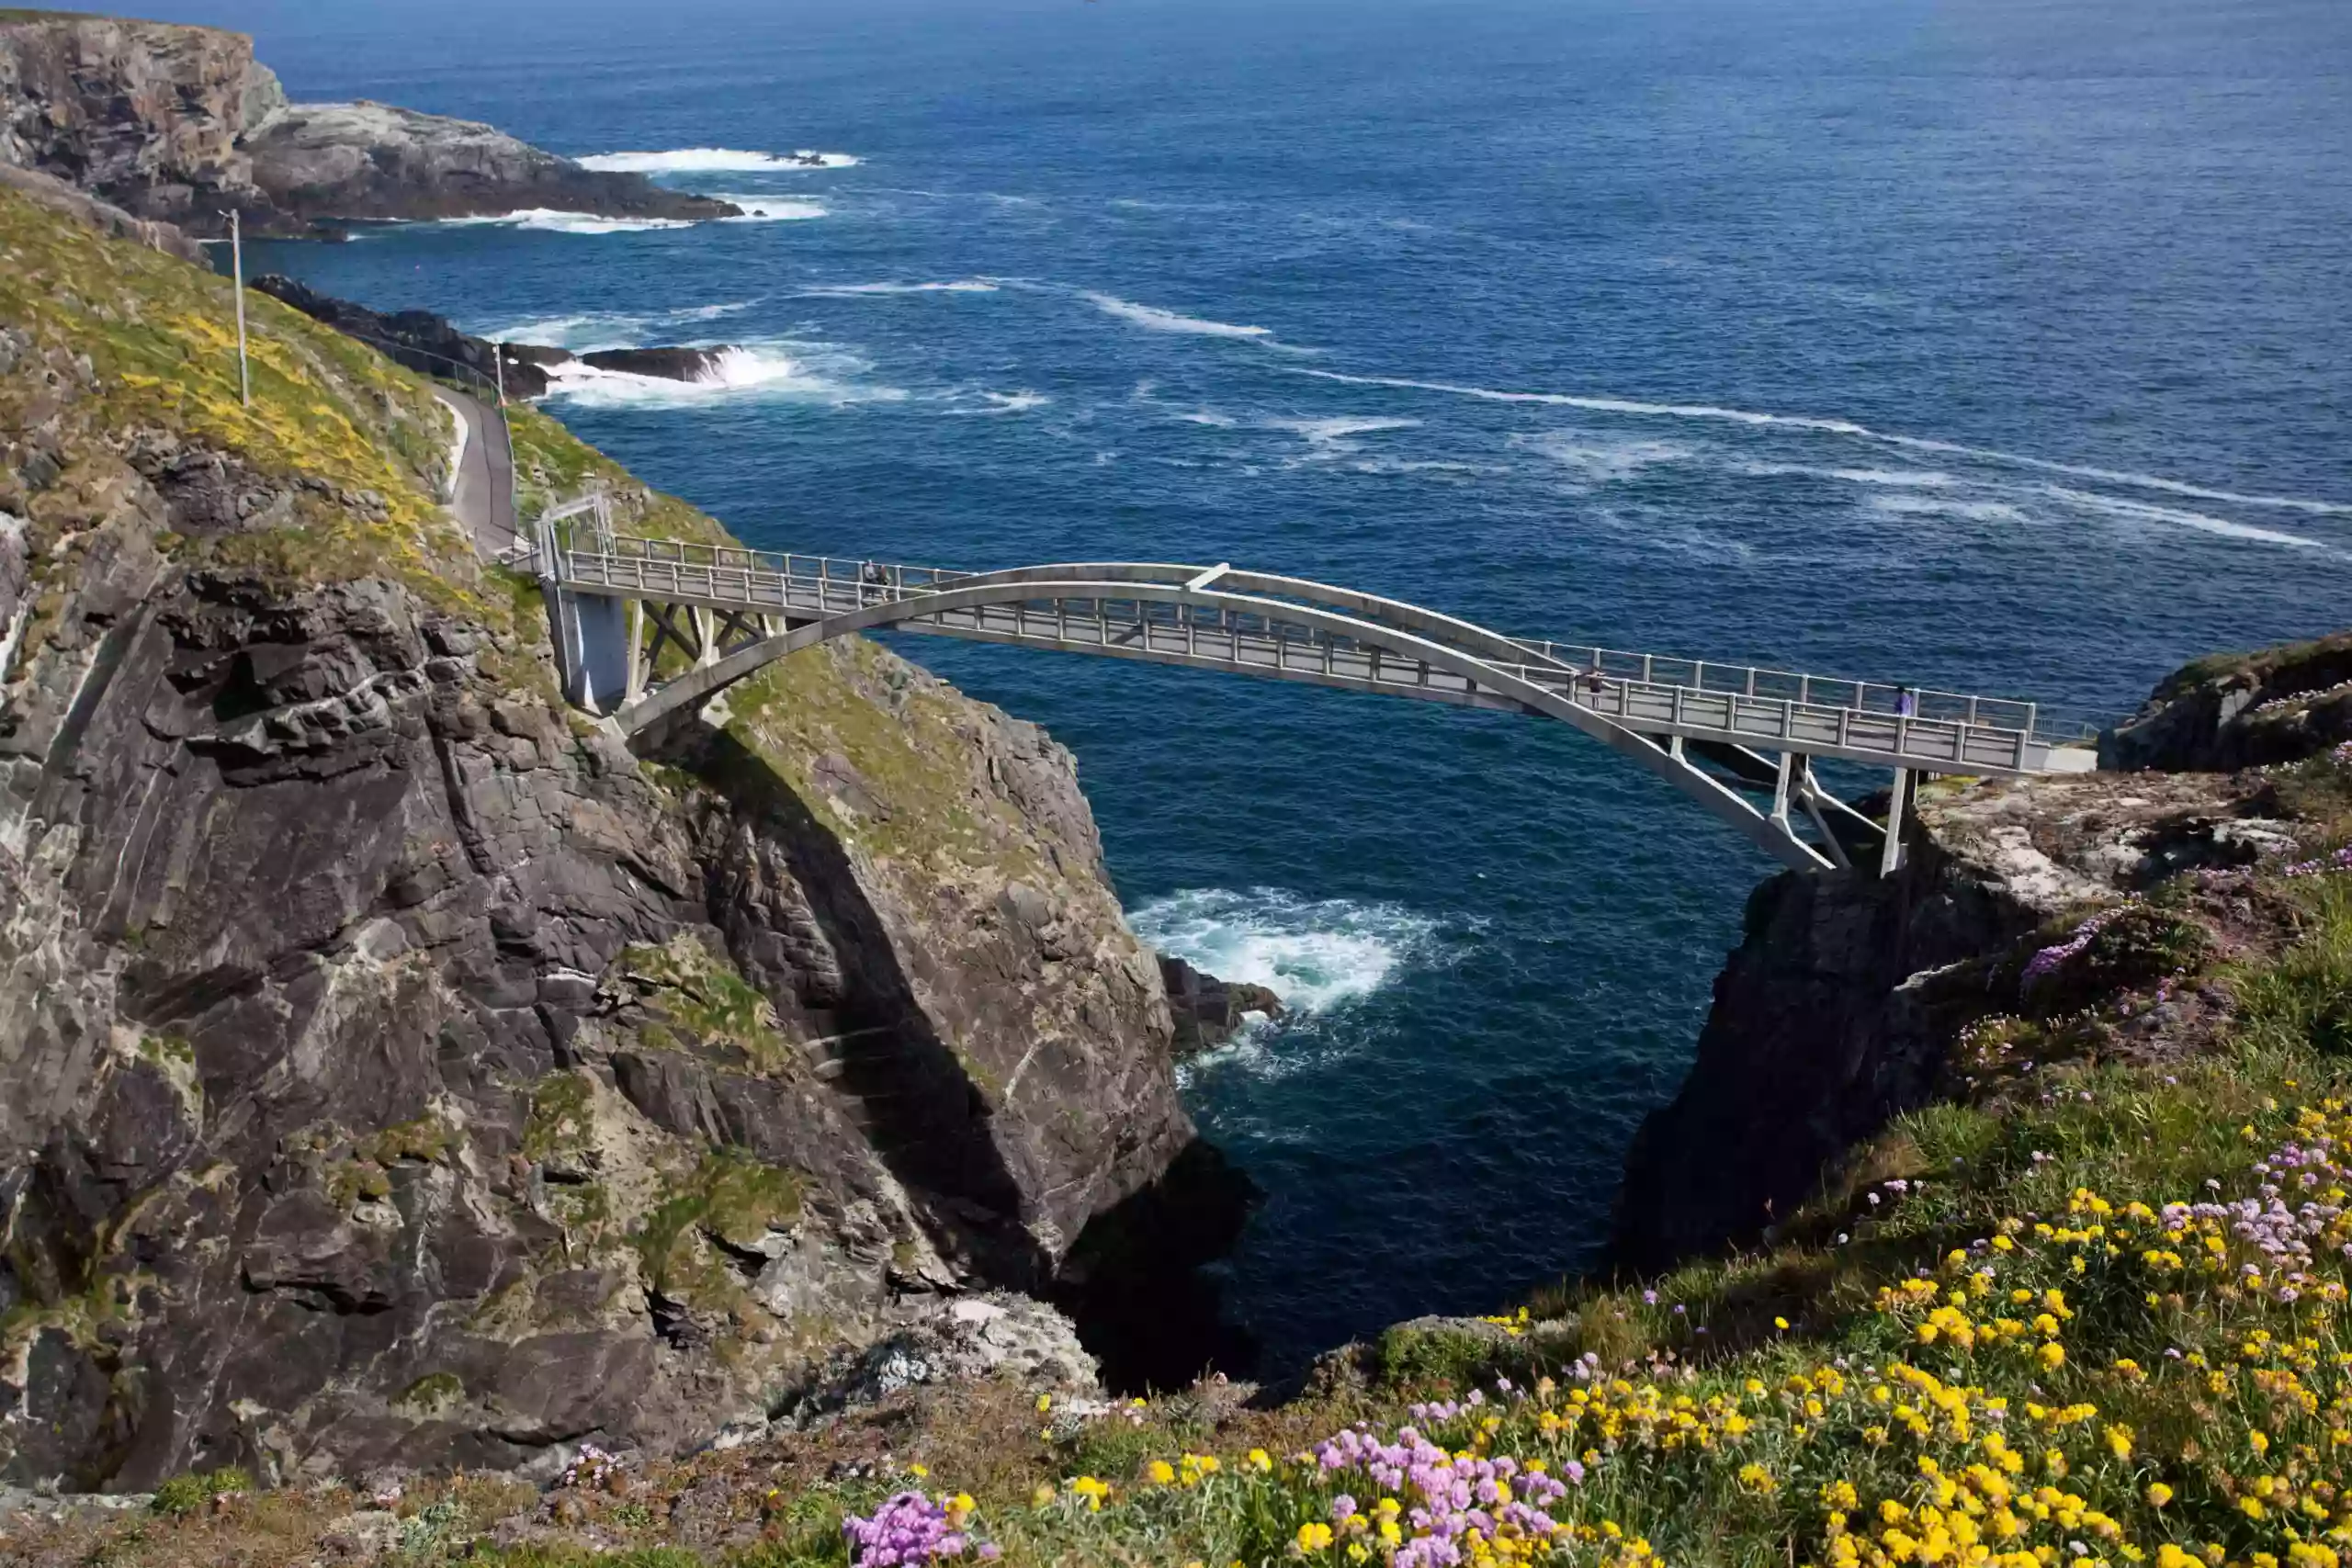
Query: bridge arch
{"x": 691, "y": 690}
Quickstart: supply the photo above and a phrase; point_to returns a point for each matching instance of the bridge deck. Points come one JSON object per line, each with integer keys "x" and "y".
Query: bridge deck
{"x": 1174, "y": 623}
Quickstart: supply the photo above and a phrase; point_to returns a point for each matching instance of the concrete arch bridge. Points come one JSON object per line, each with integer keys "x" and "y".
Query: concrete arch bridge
{"x": 1737, "y": 739}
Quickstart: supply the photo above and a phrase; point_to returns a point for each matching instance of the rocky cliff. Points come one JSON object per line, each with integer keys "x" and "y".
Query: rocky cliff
{"x": 177, "y": 124}
{"x": 394, "y": 1070}
{"x": 1850, "y": 998}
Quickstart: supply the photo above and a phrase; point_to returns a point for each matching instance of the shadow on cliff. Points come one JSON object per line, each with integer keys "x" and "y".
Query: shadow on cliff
{"x": 918, "y": 1106}
{"x": 1140, "y": 1285}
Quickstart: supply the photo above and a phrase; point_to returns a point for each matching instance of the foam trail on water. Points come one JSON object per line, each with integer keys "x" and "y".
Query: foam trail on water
{"x": 713, "y": 160}
{"x": 871, "y": 291}
{"x": 1846, "y": 427}
{"x": 1153, "y": 319}
{"x": 1601, "y": 459}
{"x": 2140, "y": 512}
{"x": 1313, "y": 953}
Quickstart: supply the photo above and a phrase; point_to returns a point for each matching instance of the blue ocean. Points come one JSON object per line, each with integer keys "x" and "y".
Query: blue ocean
{"x": 2000, "y": 345}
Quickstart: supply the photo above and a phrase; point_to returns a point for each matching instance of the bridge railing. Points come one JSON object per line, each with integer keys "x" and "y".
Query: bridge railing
{"x": 1818, "y": 691}
{"x": 1774, "y": 708}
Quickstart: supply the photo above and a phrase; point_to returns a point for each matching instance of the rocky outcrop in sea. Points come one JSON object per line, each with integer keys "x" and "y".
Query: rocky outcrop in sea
{"x": 178, "y": 124}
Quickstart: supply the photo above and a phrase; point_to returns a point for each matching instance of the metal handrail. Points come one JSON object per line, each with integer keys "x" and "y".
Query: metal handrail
{"x": 1974, "y": 711}
{"x": 831, "y": 586}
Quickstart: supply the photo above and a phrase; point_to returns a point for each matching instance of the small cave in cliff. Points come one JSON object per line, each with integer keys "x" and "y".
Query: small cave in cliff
{"x": 1140, "y": 1283}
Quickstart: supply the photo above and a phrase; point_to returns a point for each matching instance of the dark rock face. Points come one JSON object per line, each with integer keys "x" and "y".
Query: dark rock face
{"x": 668, "y": 363}
{"x": 428, "y": 343}
{"x": 1839, "y": 1007}
{"x": 1210, "y": 1012}
{"x": 175, "y": 124}
{"x": 393, "y": 1071}
{"x": 418, "y": 339}
{"x": 361, "y": 161}
{"x": 2245, "y": 711}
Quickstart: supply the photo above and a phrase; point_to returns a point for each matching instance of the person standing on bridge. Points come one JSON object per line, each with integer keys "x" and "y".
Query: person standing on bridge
{"x": 1906, "y": 701}
{"x": 874, "y": 583}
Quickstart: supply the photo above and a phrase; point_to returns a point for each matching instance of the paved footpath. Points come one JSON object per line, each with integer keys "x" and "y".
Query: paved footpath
{"x": 485, "y": 497}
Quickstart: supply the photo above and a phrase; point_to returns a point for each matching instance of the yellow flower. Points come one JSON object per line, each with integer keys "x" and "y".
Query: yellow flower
{"x": 918, "y": 1471}
{"x": 1259, "y": 1461}
{"x": 1043, "y": 1497}
{"x": 2158, "y": 1494}
{"x": 1162, "y": 1474}
{"x": 1757, "y": 1479}
{"x": 1045, "y": 1403}
{"x": 1314, "y": 1537}
{"x": 2052, "y": 1356}
{"x": 1781, "y": 1323}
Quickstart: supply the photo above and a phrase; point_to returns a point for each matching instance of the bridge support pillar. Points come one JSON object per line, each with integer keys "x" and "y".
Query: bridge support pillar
{"x": 1891, "y": 853}
{"x": 637, "y": 660}
{"x": 592, "y": 647}
{"x": 705, "y": 633}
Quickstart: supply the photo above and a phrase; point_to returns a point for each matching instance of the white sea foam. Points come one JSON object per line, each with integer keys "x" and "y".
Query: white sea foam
{"x": 714, "y": 160}
{"x": 869, "y": 290}
{"x": 587, "y": 332}
{"x": 547, "y": 220}
{"x": 2142, "y": 511}
{"x": 770, "y": 209}
{"x": 1153, "y": 319}
{"x": 1597, "y": 458}
{"x": 1313, "y": 953}
{"x": 1009, "y": 402}
{"x": 1847, "y": 428}
{"x": 1907, "y": 504}
{"x": 1332, "y": 437}
{"x": 738, "y": 373}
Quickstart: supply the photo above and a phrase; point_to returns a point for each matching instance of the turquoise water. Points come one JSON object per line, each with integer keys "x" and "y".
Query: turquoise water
{"x": 1996, "y": 345}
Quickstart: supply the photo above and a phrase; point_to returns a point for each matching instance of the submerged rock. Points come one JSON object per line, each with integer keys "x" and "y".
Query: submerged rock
{"x": 1209, "y": 1011}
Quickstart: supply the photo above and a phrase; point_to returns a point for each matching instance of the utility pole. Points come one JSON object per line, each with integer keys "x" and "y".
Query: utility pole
{"x": 237, "y": 262}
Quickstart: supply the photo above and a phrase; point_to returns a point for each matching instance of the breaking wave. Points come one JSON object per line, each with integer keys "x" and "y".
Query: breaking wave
{"x": 587, "y": 332}
{"x": 714, "y": 160}
{"x": 547, "y": 220}
{"x": 1315, "y": 955}
{"x": 738, "y": 373}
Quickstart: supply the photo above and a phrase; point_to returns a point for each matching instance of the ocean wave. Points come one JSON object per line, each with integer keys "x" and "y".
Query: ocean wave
{"x": 547, "y": 220}
{"x": 1153, "y": 319}
{"x": 587, "y": 332}
{"x": 871, "y": 291}
{"x": 713, "y": 160}
{"x": 1315, "y": 954}
{"x": 738, "y": 373}
{"x": 1850, "y": 428}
